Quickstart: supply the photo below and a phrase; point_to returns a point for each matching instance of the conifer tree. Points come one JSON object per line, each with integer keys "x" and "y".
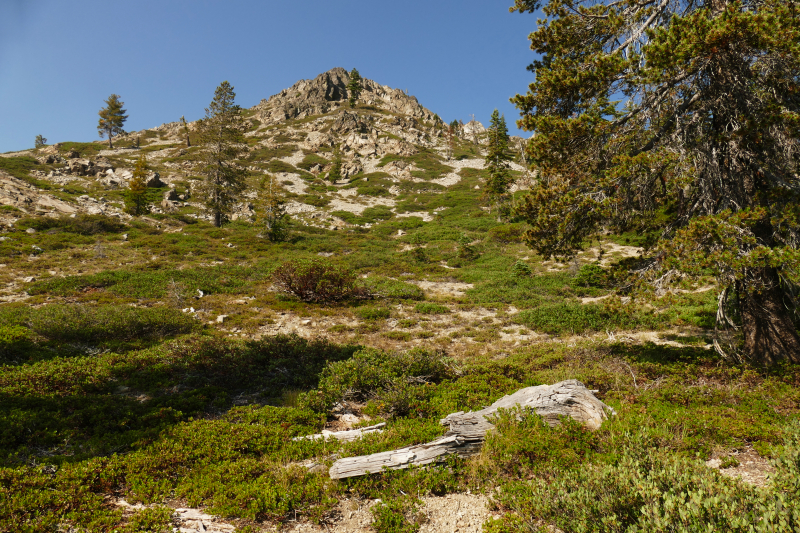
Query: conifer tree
{"x": 185, "y": 131}
{"x": 40, "y": 141}
{"x": 354, "y": 87}
{"x": 137, "y": 188}
{"x": 702, "y": 150}
{"x": 272, "y": 210}
{"x": 335, "y": 173}
{"x": 498, "y": 180}
{"x": 112, "y": 118}
{"x": 221, "y": 133}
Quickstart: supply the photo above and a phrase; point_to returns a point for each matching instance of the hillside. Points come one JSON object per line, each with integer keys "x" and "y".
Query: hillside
{"x": 154, "y": 375}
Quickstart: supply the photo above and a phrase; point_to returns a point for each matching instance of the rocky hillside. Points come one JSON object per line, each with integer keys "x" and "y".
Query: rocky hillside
{"x": 393, "y": 149}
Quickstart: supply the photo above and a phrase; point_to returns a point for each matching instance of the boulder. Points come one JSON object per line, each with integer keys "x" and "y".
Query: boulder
{"x": 349, "y": 123}
{"x": 154, "y": 181}
{"x": 316, "y": 140}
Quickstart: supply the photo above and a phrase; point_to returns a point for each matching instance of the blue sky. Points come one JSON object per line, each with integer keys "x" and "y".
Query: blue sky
{"x": 59, "y": 60}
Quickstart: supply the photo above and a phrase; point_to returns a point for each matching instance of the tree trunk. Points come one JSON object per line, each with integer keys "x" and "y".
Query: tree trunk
{"x": 218, "y": 219}
{"x": 110, "y": 146}
{"x": 770, "y": 336}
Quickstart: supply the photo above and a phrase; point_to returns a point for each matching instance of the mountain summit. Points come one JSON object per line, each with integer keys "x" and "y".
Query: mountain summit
{"x": 327, "y": 92}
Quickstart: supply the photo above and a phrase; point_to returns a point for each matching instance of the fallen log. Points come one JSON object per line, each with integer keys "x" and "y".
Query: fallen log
{"x": 345, "y": 436}
{"x": 468, "y": 430}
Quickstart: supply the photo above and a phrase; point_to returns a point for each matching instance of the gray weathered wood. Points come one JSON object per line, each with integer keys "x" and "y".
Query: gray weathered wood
{"x": 347, "y": 435}
{"x": 468, "y": 430}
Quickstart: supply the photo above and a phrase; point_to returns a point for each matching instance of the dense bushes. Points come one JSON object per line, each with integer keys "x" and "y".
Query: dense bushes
{"x": 646, "y": 490}
{"x": 396, "y": 380}
{"x": 81, "y": 224}
{"x": 318, "y": 281}
{"x": 80, "y": 323}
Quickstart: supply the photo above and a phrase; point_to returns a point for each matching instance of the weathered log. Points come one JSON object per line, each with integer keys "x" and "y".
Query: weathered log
{"x": 468, "y": 430}
{"x": 347, "y": 435}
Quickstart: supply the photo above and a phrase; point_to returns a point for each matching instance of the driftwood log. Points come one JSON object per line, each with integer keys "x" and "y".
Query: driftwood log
{"x": 468, "y": 430}
{"x": 345, "y": 436}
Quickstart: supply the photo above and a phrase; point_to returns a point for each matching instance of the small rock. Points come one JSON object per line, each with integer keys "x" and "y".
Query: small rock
{"x": 29, "y": 279}
{"x": 30, "y": 230}
{"x": 124, "y": 236}
{"x": 306, "y": 322}
{"x": 221, "y": 319}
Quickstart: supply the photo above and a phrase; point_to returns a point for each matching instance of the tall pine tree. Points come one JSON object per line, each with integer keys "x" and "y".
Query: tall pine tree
{"x": 354, "y": 87}
{"x": 499, "y": 179}
{"x": 702, "y": 150}
{"x": 221, "y": 133}
{"x": 137, "y": 188}
{"x": 112, "y": 118}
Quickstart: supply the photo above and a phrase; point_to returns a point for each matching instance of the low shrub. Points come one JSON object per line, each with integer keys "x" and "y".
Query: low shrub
{"x": 521, "y": 269}
{"x": 15, "y": 342}
{"x": 79, "y": 323}
{"x": 590, "y": 275}
{"x": 646, "y": 490}
{"x": 429, "y": 308}
{"x": 396, "y": 379}
{"x": 82, "y": 224}
{"x": 391, "y": 288}
{"x": 372, "y": 313}
{"x": 318, "y": 281}
{"x": 574, "y": 317}
{"x": 507, "y": 233}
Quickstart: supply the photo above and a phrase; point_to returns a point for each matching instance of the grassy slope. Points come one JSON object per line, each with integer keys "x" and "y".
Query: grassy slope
{"x": 110, "y": 389}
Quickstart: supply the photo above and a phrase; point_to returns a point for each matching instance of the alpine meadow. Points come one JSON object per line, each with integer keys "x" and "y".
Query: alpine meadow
{"x": 335, "y": 311}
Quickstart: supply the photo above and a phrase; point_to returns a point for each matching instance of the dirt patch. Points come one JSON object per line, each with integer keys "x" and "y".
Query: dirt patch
{"x": 464, "y": 513}
{"x": 443, "y": 287}
{"x": 186, "y": 520}
{"x": 752, "y": 469}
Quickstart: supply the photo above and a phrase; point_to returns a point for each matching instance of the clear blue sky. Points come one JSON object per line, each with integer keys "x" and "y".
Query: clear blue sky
{"x": 59, "y": 60}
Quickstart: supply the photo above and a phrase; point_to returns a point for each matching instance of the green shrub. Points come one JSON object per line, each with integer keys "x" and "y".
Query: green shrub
{"x": 372, "y": 313}
{"x": 521, "y": 269}
{"x": 317, "y": 280}
{"x": 391, "y": 288}
{"x": 429, "y": 308}
{"x": 397, "y": 379}
{"x": 395, "y": 515}
{"x": 15, "y": 342}
{"x": 591, "y": 275}
{"x": 649, "y": 491}
{"x": 81, "y": 224}
{"x": 574, "y": 317}
{"x": 311, "y": 160}
{"x": 507, "y": 233}
{"x": 80, "y": 323}
{"x": 150, "y": 519}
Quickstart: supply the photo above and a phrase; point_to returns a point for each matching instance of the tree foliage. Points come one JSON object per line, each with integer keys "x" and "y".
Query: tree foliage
{"x": 354, "y": 87}
{"x": 221, "y": 133}
{"x": 498, "y": 180}
{"x": 112, "y": 119}
{"x": 335, "y": 173}
{"x": 272, "y": 210}
{"x": 137, "y": 188}
{"x": 685, "y": 112}
{"x": 40, "y": 141}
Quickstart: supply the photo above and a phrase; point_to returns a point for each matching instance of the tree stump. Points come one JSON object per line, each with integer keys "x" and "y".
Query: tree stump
{"x": 468, "y": 430}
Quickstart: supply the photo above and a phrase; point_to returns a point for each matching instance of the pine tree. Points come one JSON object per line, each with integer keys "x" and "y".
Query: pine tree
{"x": 221, "y": 133}
{"x": 701, "y": 151}
{"x": 185, "y": 131}
{"x": 354, "y": 87}
{"x": 272, "y": 210}
{"x": 335, "y": 173}
{"x": 137, "y": 188}
{"x": 499, "y": 178}
{"x": 112, "y": 118}
{"x": 40, "y": 141}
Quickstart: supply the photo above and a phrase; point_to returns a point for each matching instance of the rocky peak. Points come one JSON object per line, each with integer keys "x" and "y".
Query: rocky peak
{"x": 327, "y": 92}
